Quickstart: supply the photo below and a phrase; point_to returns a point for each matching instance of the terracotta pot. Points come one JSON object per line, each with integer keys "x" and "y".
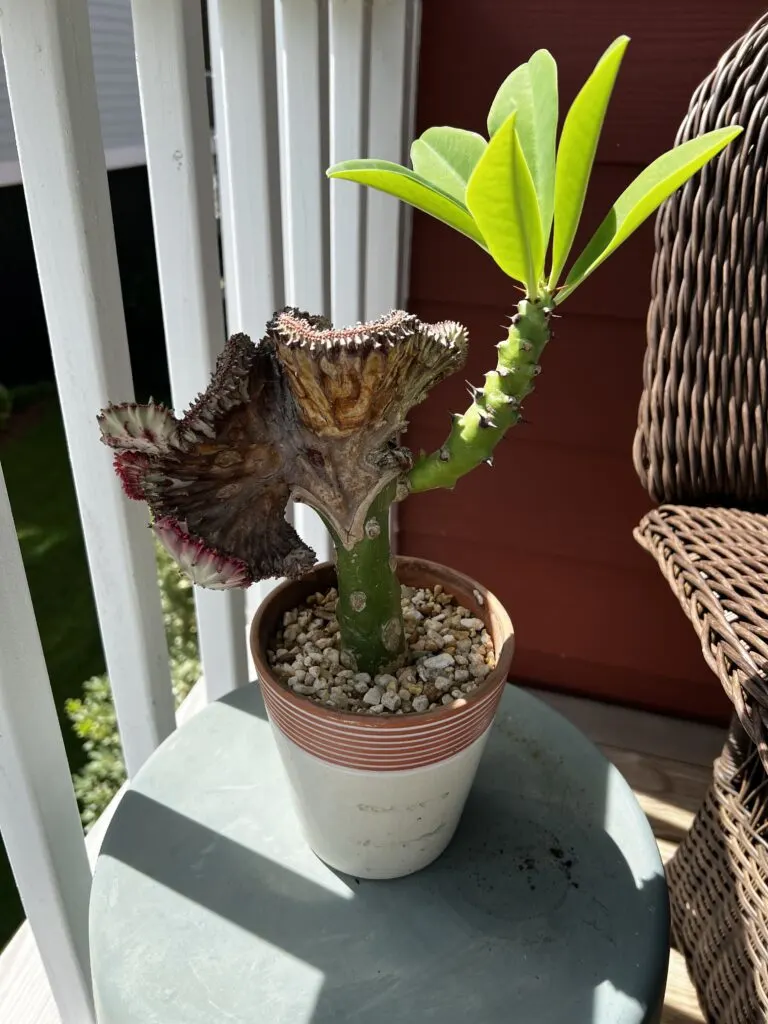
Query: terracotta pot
{"x": 381, "y": 796}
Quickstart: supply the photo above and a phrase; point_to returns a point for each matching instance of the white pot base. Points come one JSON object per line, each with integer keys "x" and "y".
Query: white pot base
{"x": 379, "y": 825}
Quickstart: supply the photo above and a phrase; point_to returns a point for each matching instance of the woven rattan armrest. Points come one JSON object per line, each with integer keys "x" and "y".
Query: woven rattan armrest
{"x": 716, "y": 562}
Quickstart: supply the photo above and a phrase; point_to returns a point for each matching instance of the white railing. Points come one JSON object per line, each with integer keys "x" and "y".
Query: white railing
{"x": 296, "y": 83}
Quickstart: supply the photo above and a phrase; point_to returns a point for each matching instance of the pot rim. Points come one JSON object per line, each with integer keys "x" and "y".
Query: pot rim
{"x": 490, "y": 610}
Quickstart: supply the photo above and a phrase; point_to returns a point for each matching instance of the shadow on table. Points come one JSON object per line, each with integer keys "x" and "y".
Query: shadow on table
{"x": 544, "y": 948}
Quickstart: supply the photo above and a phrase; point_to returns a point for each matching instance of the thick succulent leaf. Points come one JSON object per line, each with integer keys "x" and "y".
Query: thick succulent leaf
{"x": 411, "y": 188}
{"x": 446, "y": 157}
{"x": 502, "y": 199}
{"x": 643, "y": 196}
{"x": 576, "y": 153}
{"x": 531, "y": 92}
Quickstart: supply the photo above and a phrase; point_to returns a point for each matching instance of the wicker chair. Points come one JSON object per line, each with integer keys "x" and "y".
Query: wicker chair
{"x": 701, "y": 450}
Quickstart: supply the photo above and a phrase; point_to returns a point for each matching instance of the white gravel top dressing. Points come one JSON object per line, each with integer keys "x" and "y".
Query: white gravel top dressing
{"x": 449, "y": 655}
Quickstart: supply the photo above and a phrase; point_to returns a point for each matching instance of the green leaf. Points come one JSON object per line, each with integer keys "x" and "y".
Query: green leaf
{"x": 446, "y": 157}
{"x": 411, "y": 188}
{"x": 576, "y": 153}
{"x": 643, "y": 196}
{"x": 531, "y": 92}
{"x": 502, "y": 199}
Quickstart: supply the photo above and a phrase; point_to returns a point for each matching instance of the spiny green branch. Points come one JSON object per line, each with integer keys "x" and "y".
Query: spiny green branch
{"x": 495, "y": 407}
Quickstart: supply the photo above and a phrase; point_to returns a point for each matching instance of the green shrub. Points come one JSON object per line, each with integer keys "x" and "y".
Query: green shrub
{"x": 6, "y": 404}
{"x": 93, "y": 715}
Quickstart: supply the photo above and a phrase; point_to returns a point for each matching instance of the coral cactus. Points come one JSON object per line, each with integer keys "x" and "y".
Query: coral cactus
{"x": 311, "y": 413}
{"x": 316, "y": 414}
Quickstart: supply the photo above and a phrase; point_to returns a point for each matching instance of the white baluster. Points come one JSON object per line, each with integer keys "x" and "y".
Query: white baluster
{"x": 392, "y": 26}
{"x": 349, "y": 54}
{"x": 39, "y": 821}
{"x": 301, "y": 31}
{"x": 49, "y": 70}
{"x": 242, "y": 43}
{"x": 170, "y": 61}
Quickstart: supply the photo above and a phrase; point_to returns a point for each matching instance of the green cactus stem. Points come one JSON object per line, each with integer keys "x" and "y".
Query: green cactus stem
{"x": 495, "y": 407}
{"x": 368, "y": 610}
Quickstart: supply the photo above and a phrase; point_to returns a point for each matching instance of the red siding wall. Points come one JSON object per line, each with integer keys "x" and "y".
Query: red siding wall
{"x": 549, "y": 528}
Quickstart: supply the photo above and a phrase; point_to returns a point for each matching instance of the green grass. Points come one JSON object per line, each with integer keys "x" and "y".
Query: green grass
{"x": 35, "y": 463}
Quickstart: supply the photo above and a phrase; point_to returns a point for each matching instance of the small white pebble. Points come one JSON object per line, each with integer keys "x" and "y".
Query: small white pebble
{"x": 447, "y": 698}
{"x": 469, "y": 687}
{"x": 384, "y": 682}
{"x": 476, "y": 624}
{"x": 404, "y": 694}
{"x": 420, "y": 703}
{"x": 302, "y": 689}
{"x": 360, "y": 687}
{"x": 442, "y": 683}
{"x": 362, "y": 677}
{"x": 461, "y": 675}
{"x": 411, "y": 614}
{"x": 376, "y": 709}
{"x": 372, "y": 696}
{"x": 437, "y": 664}
{"x": 391, "y": 701}
{"x": 456, "y": 693}
{"x": 479, "y": 671}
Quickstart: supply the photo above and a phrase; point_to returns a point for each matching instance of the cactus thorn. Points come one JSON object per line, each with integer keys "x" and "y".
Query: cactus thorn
{"x": 486, "y": 421}
{"x": 445, "y": 455}
{"x": 489, "y": 461}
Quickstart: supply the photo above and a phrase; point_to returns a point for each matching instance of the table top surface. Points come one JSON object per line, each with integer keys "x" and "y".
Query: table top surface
{"x": 549, "y": 906}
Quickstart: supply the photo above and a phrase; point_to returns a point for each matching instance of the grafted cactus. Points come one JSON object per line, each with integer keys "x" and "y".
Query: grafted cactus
{"x": 316, "y": 414}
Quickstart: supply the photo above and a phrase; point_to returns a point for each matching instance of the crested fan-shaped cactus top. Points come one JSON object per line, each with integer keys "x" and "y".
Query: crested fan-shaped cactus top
{"x": 309, "y": 412}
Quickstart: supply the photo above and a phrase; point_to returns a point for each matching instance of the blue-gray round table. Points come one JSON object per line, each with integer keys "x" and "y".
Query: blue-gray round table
{"x": 549, "y": 906}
